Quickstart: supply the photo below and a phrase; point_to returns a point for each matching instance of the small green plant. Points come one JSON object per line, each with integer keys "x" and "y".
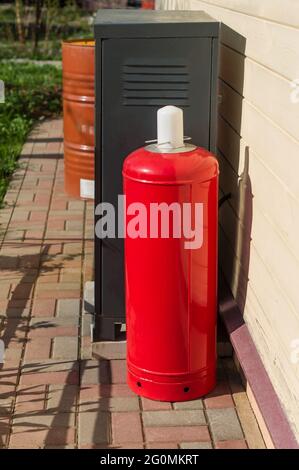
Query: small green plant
{"x": 31, "y": 92}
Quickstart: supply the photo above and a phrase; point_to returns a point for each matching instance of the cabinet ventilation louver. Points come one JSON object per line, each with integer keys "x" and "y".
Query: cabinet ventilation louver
{"x": 155, "y": 85}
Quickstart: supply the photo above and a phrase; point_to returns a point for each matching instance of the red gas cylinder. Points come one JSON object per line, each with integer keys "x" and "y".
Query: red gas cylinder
{"x": 148, "y": 4}
{"x": 171, "y": 278}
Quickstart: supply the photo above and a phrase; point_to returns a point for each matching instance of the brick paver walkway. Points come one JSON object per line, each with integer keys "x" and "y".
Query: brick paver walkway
{"x": 52, "y": 393}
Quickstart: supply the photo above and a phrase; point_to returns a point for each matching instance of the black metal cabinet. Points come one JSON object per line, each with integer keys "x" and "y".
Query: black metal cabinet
{"x": 144, "y": 60}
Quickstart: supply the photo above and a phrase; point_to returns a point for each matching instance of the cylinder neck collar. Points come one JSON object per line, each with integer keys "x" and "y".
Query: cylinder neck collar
{"x": 155, "y": 148}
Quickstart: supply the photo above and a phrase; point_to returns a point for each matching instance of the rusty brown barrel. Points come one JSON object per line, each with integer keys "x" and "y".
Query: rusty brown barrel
{"x": 78, "y": 116}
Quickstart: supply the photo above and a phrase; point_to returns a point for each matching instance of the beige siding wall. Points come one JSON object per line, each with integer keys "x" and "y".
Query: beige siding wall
{"x": 258, "y": 147}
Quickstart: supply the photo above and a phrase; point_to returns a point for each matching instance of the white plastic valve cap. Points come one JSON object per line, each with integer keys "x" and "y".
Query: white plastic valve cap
{"x": 170, "y": 127}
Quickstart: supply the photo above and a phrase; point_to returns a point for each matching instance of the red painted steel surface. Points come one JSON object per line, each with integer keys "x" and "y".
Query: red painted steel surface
{"x": 171, "y": 291}
{"x": 78, "y": 113}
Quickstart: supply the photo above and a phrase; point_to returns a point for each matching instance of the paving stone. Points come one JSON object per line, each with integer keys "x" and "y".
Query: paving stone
{"x": 222, "y": 401}
{"x": 68, "y": 308}
{"x": 14, "y": 328}
{"x": 13, "y": 354}
{"x": 25, "y": 438}
{"x": 71, "y": 275}
{"x": 248, "y": 421}
{"x": 38, "y": 348}
{"x": 118, "y": 370}
{"x": 76, "y": 205}
{"x": 174, "y": 418}
{"x": 52, "y": 371}
{"x": 15, "y": 234}
{"x": 40, "y": 216}
{"x": 49, "y": 330}
{"x": 238, "y": 444}
{"x": 8, "y": 375}
{"x": 58, "y": 204}
{"x": 62, "y": 398}
{"x": 9, "y": 369}
{"x": 57, "y": 293}
{"x": 15, "y": 312}
{"x": 51, "y": 277}
{"x": 4, "y": 430}
{"x": 21, "y": 291}
{"x": 222, "y": 386}
{"x": 50, "y": 365}
{"x": 65, "y": 215}
{"x": 108, "y": 349}
{"x": 72, "y": 249}
{"x": 52, "y": 261}
{"x": 8, "y": 261}
{"x": 128, "y": 445}
{"x": 5, "y": 289}
{"x": 66, "y": 446}
{"x": 43, "y": 420}
{"x": 65, "y": 347}
{"x": 94, "y": 427}
{"x": 87, "y": 324}
{"x": 70, "y": 377}
{"x": 89, "y": 297}
{"x": 161, "y": 445}
{"x": 224, "y": 424}
{"x": 68, "y": 236}
{"x": 196, "y": 445}
{"x": 20, "y": 215}
{"x": 177, "y": 434}
{"x": 95, "y": 372}
{"x": 154, "y": 405}
{"x": 53, "y": 322}
{"x": 34, "y": 235}
{"x": 55, "y": 224}
{"x": 30, "y": 398}
{"x": 123, "y": 404}
{"x": 220, "y": 397}
{"x": 89, "y": 392}
{"x": 6, "y": 405}
{"x": 188, "y": 405}
{"x": 86, "y": 348}
{"x": 126, "y": 427}
{"x": 123, "y": 445}
{"x": 14, "y": 343}
{"x": 74, "y": 225}
{"x": 55, "y": 248}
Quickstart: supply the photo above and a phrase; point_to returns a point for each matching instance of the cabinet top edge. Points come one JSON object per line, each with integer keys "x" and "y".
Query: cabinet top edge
{"x": 154, "y": 23}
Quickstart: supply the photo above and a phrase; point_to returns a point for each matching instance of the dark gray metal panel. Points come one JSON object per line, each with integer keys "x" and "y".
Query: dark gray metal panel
{"x": 154, "y": 23}
{"x": 98, "y": 170}
{"x": 214, "y": 95}
{"x": 136, "y": 76}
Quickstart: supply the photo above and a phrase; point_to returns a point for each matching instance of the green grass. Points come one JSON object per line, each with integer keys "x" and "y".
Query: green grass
{"x": 47, "y": 50}
{"x": 31, "y": 92}
{"x": 7, "y": 12}
{"x": 50, "y": 50}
